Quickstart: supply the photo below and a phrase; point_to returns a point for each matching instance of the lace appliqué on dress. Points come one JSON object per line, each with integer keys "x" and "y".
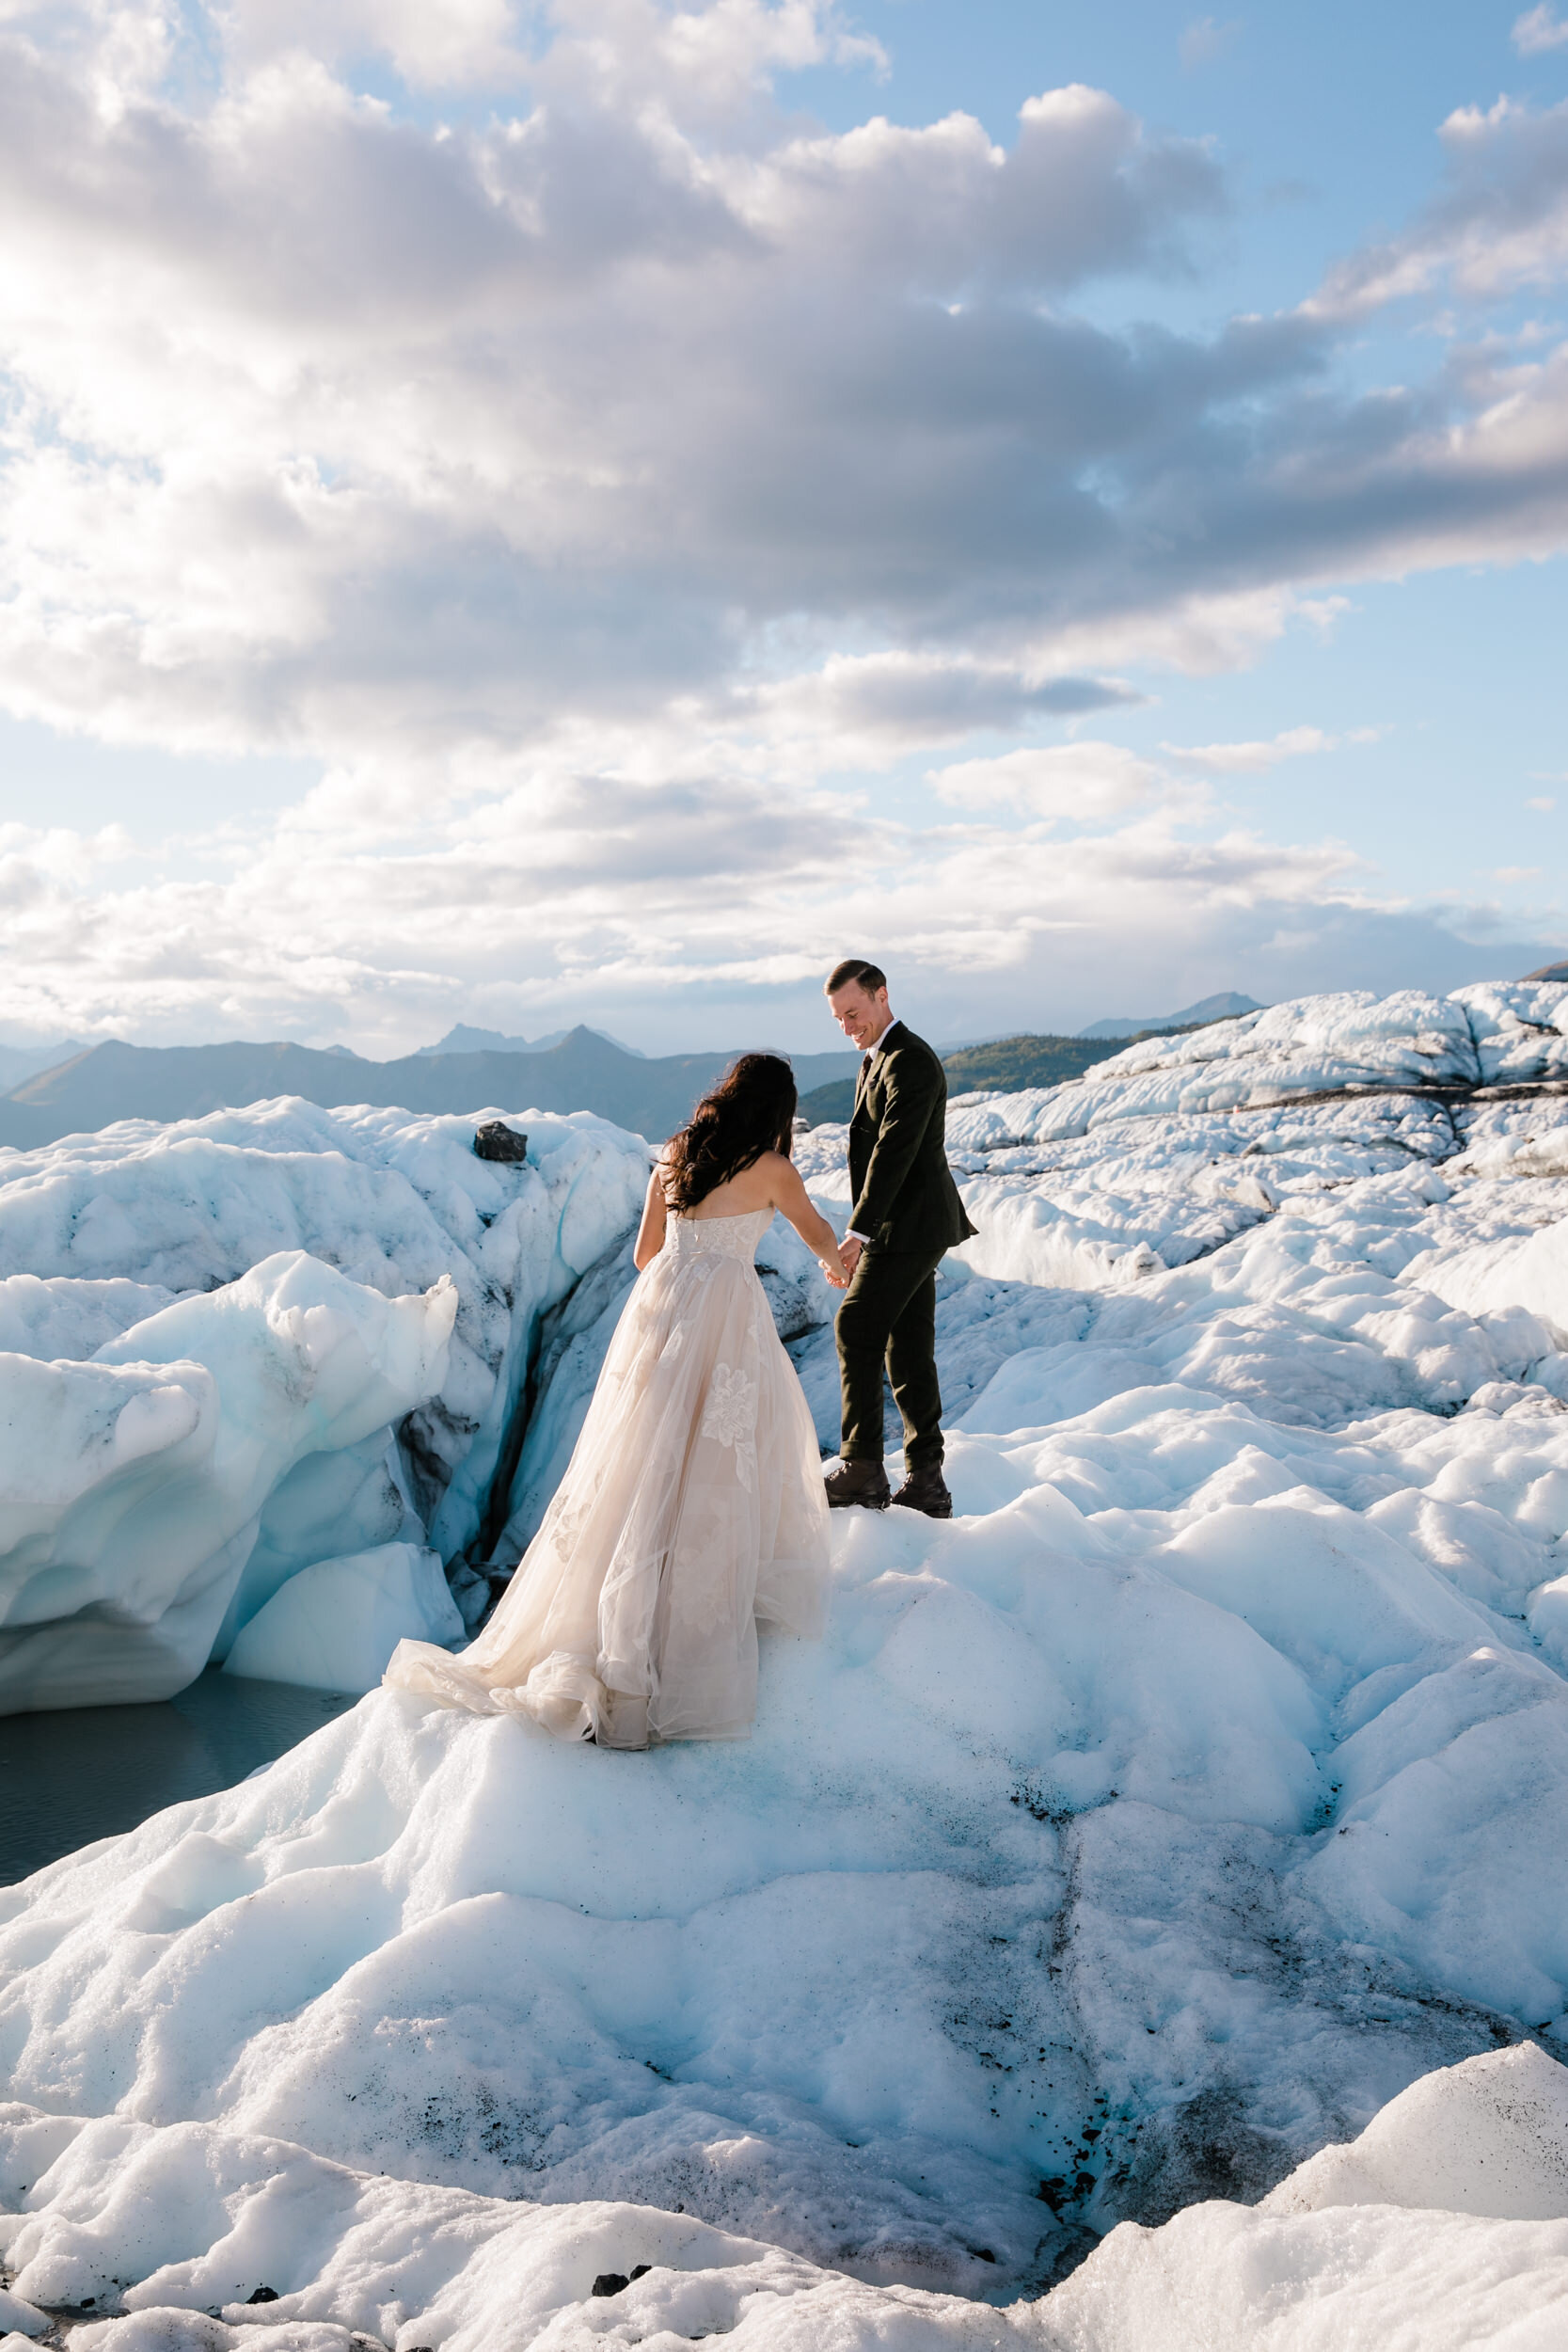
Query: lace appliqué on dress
{"x": 692, "y": 1505}
{"x": 731, "y": 1419}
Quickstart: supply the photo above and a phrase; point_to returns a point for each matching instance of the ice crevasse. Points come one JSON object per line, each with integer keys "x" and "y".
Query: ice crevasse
{"x": 266, "y": 1342}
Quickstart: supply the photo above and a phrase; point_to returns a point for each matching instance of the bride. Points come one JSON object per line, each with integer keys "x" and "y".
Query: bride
{"x": 693, "y": 1503}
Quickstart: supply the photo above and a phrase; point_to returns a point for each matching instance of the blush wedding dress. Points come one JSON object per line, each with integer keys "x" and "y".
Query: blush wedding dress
{"x": 692, "y": 1505}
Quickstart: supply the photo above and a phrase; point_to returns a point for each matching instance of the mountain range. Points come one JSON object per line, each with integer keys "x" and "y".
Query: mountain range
{"x": 579, "y": 1070}
{"x": 583, "y": 1072}
{"x": 18, "y": 1062}
{"x": 1221, "y": 1008}
{"x": 467, "y": 1040}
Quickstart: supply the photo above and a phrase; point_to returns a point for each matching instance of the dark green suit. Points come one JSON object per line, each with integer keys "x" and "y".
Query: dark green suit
{"x": 907, "y": 1206}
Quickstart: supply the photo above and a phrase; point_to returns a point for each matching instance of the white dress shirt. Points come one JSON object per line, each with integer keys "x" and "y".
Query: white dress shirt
{"x": 851, "y": 1234}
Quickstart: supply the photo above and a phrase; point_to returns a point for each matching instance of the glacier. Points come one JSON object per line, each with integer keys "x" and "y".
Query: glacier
{"x": 136, "y": 1482}
{"x": 168, "y": 1297}
{"x": 1353, "y": 2248}
{"x": 1141, "y": 1922}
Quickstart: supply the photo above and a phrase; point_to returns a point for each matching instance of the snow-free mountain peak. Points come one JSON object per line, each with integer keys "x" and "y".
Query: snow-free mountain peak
{"x": 1224, "y": 1007}
{"x": 465, "y": 1039}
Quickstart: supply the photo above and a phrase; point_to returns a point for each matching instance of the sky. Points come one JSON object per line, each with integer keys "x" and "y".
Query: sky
{"x": 526, "y": 514}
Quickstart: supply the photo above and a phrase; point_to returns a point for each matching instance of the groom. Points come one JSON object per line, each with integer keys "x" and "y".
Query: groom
{"x": 907, "y": 1214}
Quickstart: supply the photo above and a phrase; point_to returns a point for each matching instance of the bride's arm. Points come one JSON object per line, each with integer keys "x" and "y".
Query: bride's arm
{"x": 656, "y": 1214}
{"x": 792, "y": 1201}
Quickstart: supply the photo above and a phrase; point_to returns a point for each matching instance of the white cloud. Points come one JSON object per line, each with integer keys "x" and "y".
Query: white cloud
{"x": 1204, "y": 40}
{"x": 871, "y": 707}
{"x": 687, "y": 909}
{"x": 1545, "y": 802}
{"x": 1501, "y": 222}
{"x": 694, "y": 903}
{"x": 1071, "y": 783}
{"x": 1536, "y": 30}
{"x": 583, "y": 480}
{"x": 636, "y": 894}
{"x": 351, "y": 429}
{"x": 1251, "y": 759}
{"x": 431, "y": 43}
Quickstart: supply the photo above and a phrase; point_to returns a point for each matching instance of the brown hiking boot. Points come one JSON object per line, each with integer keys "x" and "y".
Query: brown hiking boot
{"x": 864, "y": 1483}
{"x": 926, "y": 1490}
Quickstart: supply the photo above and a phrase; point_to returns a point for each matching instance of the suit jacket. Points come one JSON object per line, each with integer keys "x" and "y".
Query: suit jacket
{"x": 905, "y": 1196}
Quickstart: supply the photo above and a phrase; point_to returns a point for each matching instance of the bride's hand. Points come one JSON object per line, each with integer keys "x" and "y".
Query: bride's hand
{"x": 834, "y": 1273}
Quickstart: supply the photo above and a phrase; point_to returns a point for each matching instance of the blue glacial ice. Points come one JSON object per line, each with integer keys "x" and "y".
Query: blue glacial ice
{"x": 194, "y": 1314}
{"x": 136, "y": 1482}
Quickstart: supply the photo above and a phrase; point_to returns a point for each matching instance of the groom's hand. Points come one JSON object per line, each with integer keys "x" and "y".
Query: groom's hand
{"x": 849, "y": 1251}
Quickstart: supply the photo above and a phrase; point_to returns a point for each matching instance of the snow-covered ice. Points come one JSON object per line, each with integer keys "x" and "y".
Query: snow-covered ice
{"x": 134, "y": 1483}
{"x": 1196, "y": 1803}
{"x": 1032, "y": 1904}
{"x": 168, "y": 1475}
{"x": 184, "y": 2226}
{"x": 391, "y": 1201}
{"x": 333, "y": 1626}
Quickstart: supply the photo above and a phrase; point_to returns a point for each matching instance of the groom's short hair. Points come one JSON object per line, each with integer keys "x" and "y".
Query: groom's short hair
{"x": 870, "y": 976}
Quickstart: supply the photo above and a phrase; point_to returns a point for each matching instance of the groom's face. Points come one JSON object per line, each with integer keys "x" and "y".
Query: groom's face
{"x": 861, "y": 1016}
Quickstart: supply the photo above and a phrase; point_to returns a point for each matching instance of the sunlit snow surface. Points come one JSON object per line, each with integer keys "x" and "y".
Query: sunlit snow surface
{"x": 1203, "y": 1786}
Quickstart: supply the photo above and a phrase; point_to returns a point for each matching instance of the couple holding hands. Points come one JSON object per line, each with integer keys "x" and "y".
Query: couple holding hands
{"x": 695, "y": 1502}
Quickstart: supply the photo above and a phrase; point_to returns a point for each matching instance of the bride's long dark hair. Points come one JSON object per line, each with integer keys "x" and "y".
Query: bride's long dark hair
{"x": 751, "y": 1111}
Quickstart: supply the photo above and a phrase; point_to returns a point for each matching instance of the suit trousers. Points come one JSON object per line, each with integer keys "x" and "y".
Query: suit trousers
{"x": 889, "y": 1316}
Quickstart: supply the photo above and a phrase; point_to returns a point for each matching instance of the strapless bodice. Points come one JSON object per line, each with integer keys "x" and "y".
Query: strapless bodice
{"x": 719, "y": 1236}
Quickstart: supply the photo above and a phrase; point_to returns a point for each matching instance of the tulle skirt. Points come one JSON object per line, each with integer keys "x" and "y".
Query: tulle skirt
{"x": 692, "y": 1505}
